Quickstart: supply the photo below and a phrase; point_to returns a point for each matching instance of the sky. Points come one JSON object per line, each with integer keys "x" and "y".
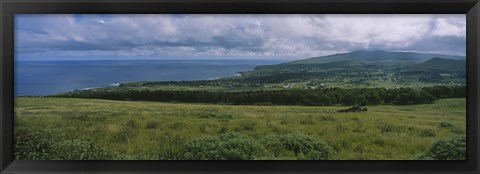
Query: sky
{"x": 200, "y": 36}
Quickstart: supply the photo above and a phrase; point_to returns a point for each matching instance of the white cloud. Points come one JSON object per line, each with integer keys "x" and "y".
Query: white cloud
{"x": 448, "y": 27}
{"x": 296, "y": 36}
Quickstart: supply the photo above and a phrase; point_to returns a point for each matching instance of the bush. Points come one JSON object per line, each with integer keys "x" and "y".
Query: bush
{"x": 453, "y": 149}
{"x": 228, "y": 146}
{"x": 303, "y": 146}
{"x": 327, "y": 96}
{"x": 33, "y": 144}
{"x": 82, "y": 150}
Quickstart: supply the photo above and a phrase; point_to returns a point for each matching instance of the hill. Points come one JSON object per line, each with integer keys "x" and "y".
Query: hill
{"x": 440, "y": 65}
{"x": 436, "y": 70}
{"x": 373, "y": 57}
{"x": 359, "y": 67}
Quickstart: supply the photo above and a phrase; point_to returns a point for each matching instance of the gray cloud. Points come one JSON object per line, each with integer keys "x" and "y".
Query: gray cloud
{"x": 267, "y": 36}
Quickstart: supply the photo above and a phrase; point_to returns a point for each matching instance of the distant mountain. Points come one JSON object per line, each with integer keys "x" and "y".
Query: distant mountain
{"x": 361, "y": 66}
{"x": 431, "y": 70}
{"x": 440, "y": 65}
{"x": 374, "y": 57}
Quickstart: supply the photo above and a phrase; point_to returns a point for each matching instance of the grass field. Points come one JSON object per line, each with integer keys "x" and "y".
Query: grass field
{"x": 154, "y": 130}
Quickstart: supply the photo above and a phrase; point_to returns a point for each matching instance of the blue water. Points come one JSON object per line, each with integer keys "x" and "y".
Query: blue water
{"x": 38, "y": 78}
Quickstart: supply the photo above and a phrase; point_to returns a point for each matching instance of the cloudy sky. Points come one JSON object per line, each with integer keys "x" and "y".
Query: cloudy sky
{"x": 232, "y": 36}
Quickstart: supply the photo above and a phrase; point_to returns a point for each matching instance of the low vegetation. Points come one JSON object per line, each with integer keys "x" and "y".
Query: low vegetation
{"x": 453, "y": 149}
{"x": 228, "y": 146}
{"x": 92, "y": 129}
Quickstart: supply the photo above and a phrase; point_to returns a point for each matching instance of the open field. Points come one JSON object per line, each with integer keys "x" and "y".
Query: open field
{"x": 156, "y": 130}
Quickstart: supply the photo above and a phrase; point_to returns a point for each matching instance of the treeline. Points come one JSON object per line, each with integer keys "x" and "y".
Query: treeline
{"x": 311, "y": 97}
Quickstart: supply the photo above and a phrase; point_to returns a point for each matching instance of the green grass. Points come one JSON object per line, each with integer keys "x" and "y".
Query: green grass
{"x": 154, "y": 130}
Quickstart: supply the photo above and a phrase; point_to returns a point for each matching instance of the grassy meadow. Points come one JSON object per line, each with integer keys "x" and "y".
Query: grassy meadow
{"x": 165, "y": 131}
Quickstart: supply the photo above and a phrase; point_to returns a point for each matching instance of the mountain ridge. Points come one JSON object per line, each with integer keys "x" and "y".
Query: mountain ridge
{"x": 361, "y": 66}
{"x": 374, "y": 55}
{"x": 440, "y": 65}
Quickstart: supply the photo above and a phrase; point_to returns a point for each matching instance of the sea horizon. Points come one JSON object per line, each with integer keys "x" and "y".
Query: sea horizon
{"x": 50, "y": 77}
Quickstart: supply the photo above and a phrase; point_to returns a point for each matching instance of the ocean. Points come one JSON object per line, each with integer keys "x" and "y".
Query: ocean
{"x": 40, "y": 78}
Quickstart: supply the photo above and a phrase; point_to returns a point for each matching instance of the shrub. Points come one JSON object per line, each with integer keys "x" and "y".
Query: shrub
{"x": 303, "y": 146}
{"x": 33, "y": 144}
{"x": 82, "y": 150}
{"x": 453, "y": 149}
{"x": 228, "y": 146}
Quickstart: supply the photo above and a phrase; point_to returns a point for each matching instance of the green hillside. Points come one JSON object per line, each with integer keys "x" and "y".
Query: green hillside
{"x": 362, "y": 68}
{"x": 440, "y": 65}
{"x": 436, "y": 70}
{"x": 374, "y": 57}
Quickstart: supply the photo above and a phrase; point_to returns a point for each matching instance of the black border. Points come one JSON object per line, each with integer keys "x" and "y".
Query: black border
{"x": 10, "y": 7}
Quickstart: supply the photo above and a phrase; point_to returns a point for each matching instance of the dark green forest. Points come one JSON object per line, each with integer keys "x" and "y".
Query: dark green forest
{"x": 307, "y": 97}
